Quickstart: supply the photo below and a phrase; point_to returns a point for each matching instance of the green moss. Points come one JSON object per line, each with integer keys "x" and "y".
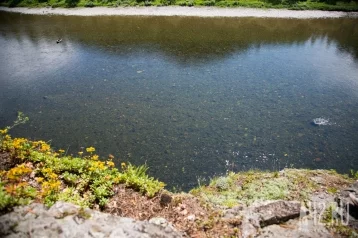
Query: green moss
{"x": 335, "y": 225}
{"x": 332, "y": 190}
{"x": 267, "y": 189}
{"x": 222, "y": 183}
{"x": 5, "y": 199}
{"x": 248, "y": 187}
{"x": 72, "y": 195}
{"x": 83, "y": 214}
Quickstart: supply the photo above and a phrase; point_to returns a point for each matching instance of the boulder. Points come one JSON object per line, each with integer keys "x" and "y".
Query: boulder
{"x": 267, "y": 213}
{"x": 277, "y": 212}
{"x": 347, "y": 202}
{"x": 68, "y": 220}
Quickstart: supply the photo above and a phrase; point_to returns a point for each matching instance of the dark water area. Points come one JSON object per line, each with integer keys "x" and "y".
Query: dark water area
{"x": 191, "y": 97}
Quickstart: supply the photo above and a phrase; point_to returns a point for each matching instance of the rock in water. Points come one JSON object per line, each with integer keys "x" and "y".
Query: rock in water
{"x": 321, "y": 121}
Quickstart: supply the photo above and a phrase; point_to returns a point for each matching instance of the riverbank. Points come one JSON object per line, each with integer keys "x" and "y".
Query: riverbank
{"x": 183, "y": 11}
{"x": 53, "y": 191}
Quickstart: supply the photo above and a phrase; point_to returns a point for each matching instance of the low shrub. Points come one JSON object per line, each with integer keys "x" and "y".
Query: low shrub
{"x": 47, "y": 175}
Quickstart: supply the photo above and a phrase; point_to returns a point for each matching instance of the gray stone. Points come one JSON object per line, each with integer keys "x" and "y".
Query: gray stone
{"x": 277, "y": 212}
{"x": 62, "y": 209}
{"x": 295, "y": 229}
{"x": 65, "y": 220}
{"x": 250, "y": 226}
{"x": 347, "y": 205}
{"x": 160, "y": 221}
{"x": 233, "y": 212}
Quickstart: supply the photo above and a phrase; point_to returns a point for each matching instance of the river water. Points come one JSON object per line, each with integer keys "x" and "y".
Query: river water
{"x": 191, "y": 97}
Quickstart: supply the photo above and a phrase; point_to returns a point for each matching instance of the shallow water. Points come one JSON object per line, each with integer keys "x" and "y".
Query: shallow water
{"x": 191, "y": 97}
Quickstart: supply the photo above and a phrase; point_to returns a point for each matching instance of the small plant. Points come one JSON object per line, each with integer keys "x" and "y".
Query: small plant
{"x": 332, "y": 190}
{"x": 49, "y": 176}
{"x": 167, "y": 2}
{"x": 354, "y": 174}
{"x": 222, "y": 183}
{"x": 137, "y": 178}
{"x": 6, "y": 200}
{"x": 21, "y": 119}
{"x": 89, "y": 4}
{"x": 187, "y": 3}
{"x": 209, "y": 3}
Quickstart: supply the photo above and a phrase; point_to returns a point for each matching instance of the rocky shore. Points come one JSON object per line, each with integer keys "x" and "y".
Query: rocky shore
{"x": 330, "y": 210}
{"x": 183, "y": 11}
{"x": 46, "y": 193}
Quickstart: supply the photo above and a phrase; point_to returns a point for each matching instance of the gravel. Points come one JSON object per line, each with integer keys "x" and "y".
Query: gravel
{"x": 183, "y": 11}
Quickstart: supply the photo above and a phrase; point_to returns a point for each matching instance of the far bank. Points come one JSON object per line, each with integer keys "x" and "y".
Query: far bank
{"x": 182, "y": 11}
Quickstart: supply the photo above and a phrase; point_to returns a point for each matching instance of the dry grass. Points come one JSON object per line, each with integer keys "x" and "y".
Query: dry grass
{"x": 186, "y": 212}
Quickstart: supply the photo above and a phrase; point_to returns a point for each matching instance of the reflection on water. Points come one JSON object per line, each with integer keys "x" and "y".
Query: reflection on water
{"x": 186, "y": 95}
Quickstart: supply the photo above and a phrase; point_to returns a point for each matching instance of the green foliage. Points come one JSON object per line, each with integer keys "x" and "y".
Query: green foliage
{"x": 89, "y": 4}
{"x": 222, "y": 183}
{"x": 271, "y": 189}
{"x": 70, "y": 178}
{"x": 6, "y": 200}
{"x": 341, "y": 5}
{"x": 21, "y": 119}
{"x": 228, "y": 198}
{"x": 137, "y": 178}
{"x": 72, "y": 195}
{"x": 84, "y": 180}
{"x": 167, "y": 2}
{"x": 11, "y": 195}
{"x": 248, "y": 187}
{"x": 209, "y": 3}
{"x": 71, "y": 3}
{"x": 332, "y": 190}
{"x": 187, "y": 3}
{"x": 334, "y": 224}
{"x": 354, "y": 174}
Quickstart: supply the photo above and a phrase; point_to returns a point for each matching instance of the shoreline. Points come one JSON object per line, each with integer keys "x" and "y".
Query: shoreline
{"x": 184, "y": 12}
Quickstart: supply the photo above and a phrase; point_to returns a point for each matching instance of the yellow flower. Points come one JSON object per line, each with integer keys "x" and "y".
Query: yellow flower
{"x": 50, "y": 187}
{"x": 39, "y": 179}
{"x": 110, "y": 163}
{"x": 17, "y": 172}
{"x": 4, "y": 131}
{"x": 53, "y": 176}
{"x": 95, "y": 157}
{"x": 97, "y": 165}
{"x": 117, "y": 179}
{"x": 100, "y": 165}
{"x": 18, "y": 142}
{"x": 61, "y": 151}
{"x": 80, "y": 153}
{"x": 123, "y": 164}
{"x": 90, "y": 149}
{"x": 45, "y": 147}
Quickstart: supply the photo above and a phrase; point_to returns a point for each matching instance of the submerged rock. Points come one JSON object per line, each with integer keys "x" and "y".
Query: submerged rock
{"x": 321, "y": 122}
